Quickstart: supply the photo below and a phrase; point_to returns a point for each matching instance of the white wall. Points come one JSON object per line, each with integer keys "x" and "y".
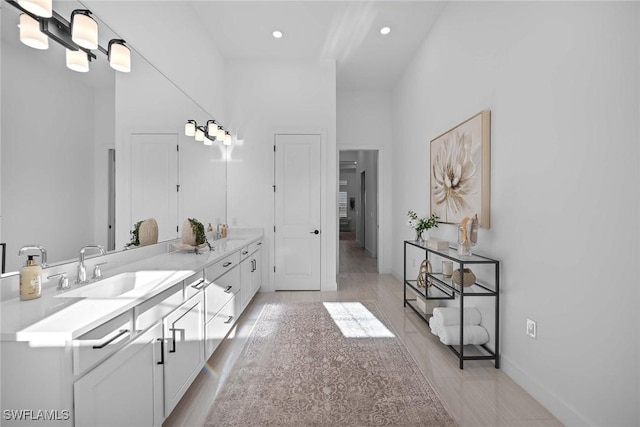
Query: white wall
{"x": 269, "y": 97}
{"x": 561, "y": 81}
{"x": 364, "y": 123}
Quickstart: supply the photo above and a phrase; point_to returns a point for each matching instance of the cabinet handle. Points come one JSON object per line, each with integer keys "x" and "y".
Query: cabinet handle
{"x": 197, "y": 285}
{"x": 228, "y": 289}
{"x": 161, "y": 362}
{"x": 227, "y": 264}
{"x": 173, "y": 339}
{"x": 106, "y": 343}
{"x": 229, "y": 320}
{"x": 245, "y": 252}
{"x": 253, "y": 265}
{"x": 259, "y": 243}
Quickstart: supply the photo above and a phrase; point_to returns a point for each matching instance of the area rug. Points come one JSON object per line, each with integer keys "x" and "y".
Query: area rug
{"x": 326, "y": 364}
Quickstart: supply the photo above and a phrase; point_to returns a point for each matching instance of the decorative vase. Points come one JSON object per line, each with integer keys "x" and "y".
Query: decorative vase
{"x": 466, "y": 278}
{"x": 419, "y": 238}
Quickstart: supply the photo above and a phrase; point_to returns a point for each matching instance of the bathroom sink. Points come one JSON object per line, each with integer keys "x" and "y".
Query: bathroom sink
{"x": 124, "y": 284}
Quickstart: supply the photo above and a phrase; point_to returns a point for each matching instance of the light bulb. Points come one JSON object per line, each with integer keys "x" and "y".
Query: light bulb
{"x": 227, "y": 138}
{"x": 84, "y": 30}
{"x": 212, "y": 128}
{"x": 77, "y": 60}
{"x": 190, "y": 128}
{"x": 30, "y": 33}
{"x": 200, "y": 134}
{"x": 119, "y": 56}
{"x": 42, "y": 8}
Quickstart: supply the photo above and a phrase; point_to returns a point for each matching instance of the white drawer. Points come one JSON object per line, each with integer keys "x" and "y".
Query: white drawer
{"x": 193, "y": 285}
{"x": 244, "y": 252}
{"x": 220, "y": 291}
{"x": 99, "y": 343}
{"x": 218, "y": 327}
{"x": 152, "y": 311}
{"x": 255, "y": 246}
{"x": 221, "y": 267}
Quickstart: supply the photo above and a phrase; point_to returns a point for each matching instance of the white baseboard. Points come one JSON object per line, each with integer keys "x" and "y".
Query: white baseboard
{"x": 547, "y": 398}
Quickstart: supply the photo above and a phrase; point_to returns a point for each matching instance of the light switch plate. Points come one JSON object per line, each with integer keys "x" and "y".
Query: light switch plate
{"x": 532, "y": 328}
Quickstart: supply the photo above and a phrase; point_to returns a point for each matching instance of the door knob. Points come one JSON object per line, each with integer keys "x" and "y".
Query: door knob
{"x": 314, "y": 232}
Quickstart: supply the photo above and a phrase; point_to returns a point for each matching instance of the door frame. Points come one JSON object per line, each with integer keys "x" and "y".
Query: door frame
{"x": 383, "y": 223}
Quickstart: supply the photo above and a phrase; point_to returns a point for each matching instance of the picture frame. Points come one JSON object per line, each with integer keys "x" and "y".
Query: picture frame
{"x": 460, "y": 161}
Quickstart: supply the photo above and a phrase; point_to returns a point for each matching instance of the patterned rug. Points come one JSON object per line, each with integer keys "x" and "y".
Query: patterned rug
{"x": 326, "y": 364}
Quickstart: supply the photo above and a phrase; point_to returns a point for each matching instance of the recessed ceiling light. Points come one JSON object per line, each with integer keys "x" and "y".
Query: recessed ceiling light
{"x": 385, "y": 30}
{"x": 277, "y": 34}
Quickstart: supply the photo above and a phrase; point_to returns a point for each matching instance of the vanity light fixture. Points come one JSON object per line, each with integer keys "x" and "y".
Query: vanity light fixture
{"x": 84, "y": 29}
{"x": 30, "y": 33}
{"x": 190, "y": 128}
{"x": 227, "y": 138}
{"x": 39, "y": 23}
{"x": 208, "y": 140}
{"x": 200, "y": 133}
{"x": 78, "y": 60}
{"x": 43, "y": 8}
{"x": 119, "y": 55}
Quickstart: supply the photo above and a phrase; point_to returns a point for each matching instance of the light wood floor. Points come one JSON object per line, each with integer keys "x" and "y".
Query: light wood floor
{"x": 479, "y": 395}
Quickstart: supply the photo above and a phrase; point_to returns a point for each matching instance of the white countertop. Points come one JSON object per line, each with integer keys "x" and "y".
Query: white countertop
{"x": 52, "y": 319}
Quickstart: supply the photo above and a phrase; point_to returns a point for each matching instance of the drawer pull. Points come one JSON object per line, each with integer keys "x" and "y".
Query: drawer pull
{"x": 197, "y": 285}
{"x": 161, "y": 362}
{"x": 228, "y": 289}
{"x": 245, "y": 252}
{"x": 229, "y": 320}
{"x": 259, "y": 243}
{"x": 106, "y": 343}
{"x": 227, "y": 264}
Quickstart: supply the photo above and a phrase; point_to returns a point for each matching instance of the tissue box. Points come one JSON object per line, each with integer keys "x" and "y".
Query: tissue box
{"x": 439, "y": 245}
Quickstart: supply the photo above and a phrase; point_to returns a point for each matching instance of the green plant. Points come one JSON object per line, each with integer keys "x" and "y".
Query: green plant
{"x": 135, "y": 234}
{"x": 198, "y": 231}
{"x": 422, "y": 224}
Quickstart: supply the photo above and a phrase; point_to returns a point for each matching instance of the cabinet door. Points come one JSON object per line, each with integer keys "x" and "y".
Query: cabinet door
{"x": 125, "y": 389}
{"x": 246, "y": 271}
{"x": 256, "y": 278}
{"x": 184, "y": 349}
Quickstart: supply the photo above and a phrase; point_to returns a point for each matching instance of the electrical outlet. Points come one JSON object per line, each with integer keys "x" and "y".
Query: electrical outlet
{"x": 532, "y": 329}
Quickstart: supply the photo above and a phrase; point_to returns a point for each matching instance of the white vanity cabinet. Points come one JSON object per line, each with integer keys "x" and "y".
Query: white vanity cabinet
{"x": 125, "y": 389}
{"x": 184, "y": 349}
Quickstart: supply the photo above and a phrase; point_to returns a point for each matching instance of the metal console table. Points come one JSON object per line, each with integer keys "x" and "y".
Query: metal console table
{"x": 444, "y": 289}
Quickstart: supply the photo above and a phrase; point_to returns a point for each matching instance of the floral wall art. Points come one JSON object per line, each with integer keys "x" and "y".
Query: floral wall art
{"x": 460, "y": 171}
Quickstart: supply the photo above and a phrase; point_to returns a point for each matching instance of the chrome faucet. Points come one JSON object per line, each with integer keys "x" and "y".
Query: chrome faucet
{"x": 82, "y": 270}
{"x": 43, "y": 252}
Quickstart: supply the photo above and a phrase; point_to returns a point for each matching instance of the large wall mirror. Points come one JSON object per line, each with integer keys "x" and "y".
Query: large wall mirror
{"x": 84, "y": 156}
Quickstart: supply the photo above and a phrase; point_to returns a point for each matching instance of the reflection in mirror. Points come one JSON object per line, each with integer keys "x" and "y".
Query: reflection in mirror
{"x": 68, "y": 137}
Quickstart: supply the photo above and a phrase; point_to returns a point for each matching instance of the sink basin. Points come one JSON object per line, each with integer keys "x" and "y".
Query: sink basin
{"x": 124, "y": 284}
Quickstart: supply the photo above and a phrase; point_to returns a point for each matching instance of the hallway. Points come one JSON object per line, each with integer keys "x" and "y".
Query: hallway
{"x": 353, "y": 258}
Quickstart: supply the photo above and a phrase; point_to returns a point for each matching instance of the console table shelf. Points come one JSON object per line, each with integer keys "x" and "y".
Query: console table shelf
{"x": 442, "y": 288}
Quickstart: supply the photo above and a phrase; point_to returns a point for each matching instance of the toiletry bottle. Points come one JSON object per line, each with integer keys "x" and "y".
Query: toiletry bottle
{"x": 30, "y": 280}
{"x": 224, "y": 230}
{"x": 209, "y": 228}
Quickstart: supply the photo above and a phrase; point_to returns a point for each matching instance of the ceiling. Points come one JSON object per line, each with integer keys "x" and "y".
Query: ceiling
{"x": 347, "y": 31}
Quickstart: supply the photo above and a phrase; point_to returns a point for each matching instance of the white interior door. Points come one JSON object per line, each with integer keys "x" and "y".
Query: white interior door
{"x": 297, "y": 212}
{"x": 154, "y": 181}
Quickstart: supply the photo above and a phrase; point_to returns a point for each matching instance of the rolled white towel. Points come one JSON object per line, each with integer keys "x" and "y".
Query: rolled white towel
{"x": 434, "y": 325}
{"x": 473, "y": 334}
{"x": 451, "y": 315}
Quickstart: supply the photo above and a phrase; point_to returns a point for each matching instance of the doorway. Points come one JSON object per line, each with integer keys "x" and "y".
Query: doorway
{"x": 358, "y": 230}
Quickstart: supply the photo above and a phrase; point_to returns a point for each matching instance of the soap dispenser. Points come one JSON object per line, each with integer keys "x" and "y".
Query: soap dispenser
{"x": 30, "y": 280}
